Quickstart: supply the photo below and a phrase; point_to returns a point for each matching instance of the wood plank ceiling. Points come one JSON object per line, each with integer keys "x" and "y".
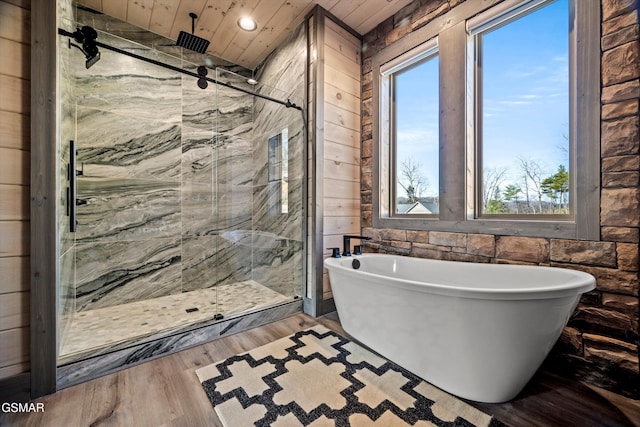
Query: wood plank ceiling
{"x": 217, "y": 20}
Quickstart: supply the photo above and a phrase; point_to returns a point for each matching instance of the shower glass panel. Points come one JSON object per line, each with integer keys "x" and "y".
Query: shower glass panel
{"x": 175, "y": 226}
{"x": 260, "y": 243}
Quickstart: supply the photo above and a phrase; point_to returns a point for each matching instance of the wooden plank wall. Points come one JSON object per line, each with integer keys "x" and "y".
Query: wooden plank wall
{"x": 15, "y": 71}
{"x": 341, "y": 144}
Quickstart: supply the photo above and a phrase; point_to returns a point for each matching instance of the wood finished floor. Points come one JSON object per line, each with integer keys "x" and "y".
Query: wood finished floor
{"x": 166, "y": 392}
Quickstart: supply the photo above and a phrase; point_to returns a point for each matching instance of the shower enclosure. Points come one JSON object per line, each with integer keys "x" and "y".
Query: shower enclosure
{"x": 179, "y": 207}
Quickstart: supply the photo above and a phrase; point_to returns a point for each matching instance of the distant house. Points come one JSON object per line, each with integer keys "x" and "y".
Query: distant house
{"x": 430, "y": 204}
{"x": 413, "y": 208}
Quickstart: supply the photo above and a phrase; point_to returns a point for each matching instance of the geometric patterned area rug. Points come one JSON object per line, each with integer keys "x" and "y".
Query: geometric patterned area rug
{"x": 319, "y": 378}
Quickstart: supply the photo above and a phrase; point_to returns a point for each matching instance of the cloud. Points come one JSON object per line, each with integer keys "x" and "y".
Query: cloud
{"x": 421, "y": 145}
{"x": 519, "y": 73}
{"x": 417, "y": 135}
{"x": 493, "y": 109}
{"x": 515, "y": 102}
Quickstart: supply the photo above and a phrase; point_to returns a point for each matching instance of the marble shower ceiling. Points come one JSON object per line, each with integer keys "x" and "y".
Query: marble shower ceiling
{"x": 217, "y": 20}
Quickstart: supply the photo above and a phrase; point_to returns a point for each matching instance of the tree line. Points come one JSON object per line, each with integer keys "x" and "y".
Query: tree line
{"x": 535, "y": 192}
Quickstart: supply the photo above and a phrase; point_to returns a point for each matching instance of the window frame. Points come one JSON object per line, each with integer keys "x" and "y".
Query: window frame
{"x": 457, "y": 145}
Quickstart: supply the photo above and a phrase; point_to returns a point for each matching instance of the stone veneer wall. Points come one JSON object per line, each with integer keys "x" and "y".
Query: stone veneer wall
{"x": 600, "y": 344}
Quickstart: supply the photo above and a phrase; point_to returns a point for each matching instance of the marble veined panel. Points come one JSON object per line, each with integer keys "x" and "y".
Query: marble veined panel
{"x": 279, "y": 269}
{"x": 122, "y": 209}
{"x": 267, "y": 210}
{"x": 217, "y": 107}
{"x": 270, "y": 116}
{"x": 67, "y": 102}
{"x": 199, "y": 266}
{"x": 199, "y": 106}
{"x": 235, "y": 109}
{"x": 128, "y": 86}
{"x": 233, "y": 152}
{"x": 271, "y": 315}
{"x": 260, "y": 169}
{"x": 235, "y": 75}
{"x": 213, "y": 260}
{"x": 197, "y": 155}
{"x": 234, "y": 207}
{"x": 199, "y": 209}
{"x": 112, "y": 145}
{"x": 232, "y": 261}
{"x": 67, "y": 285}
{"x": 282, "y": 73}
{"x": 199, "y": 262}
{"x": 66, "y": 293}
{"x": 297, "y": 163}
{"x": 114, "y": 273}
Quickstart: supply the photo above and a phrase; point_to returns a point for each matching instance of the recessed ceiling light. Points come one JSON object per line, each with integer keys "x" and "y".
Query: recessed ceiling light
{"x": 247, "y": 24}
{"x": 252, "y": 81}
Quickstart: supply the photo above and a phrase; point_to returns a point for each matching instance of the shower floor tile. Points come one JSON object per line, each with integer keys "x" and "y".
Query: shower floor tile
{"x": 108, "y": 327}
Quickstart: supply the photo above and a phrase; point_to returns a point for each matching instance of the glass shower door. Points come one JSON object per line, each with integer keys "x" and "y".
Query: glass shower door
{"x": 259, "y": 175}
{"x": 122, "y": 269}
{"x": 188, "y": 202}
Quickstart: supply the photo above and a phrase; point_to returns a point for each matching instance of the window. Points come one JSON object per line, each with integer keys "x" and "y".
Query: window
{"x": 518, "y": 118}
{"x": 416, "y": 166}
{"x": 411, "y": 121}
{"x": 522, "y": 114}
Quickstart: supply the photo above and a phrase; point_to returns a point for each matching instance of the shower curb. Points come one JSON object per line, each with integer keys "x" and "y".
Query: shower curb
{"x": 94, "y": 367}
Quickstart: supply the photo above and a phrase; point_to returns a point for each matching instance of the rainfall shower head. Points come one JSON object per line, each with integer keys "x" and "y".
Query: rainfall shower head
{"x": 191, "y": 41}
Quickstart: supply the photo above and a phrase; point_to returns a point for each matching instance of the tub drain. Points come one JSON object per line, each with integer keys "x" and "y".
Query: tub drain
{"x": 355, "y": 264}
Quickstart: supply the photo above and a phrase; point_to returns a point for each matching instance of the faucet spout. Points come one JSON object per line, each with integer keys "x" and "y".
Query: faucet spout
{"x": 346, "y": 240}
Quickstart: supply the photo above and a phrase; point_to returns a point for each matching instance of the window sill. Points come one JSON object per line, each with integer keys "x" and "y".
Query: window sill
{"x": 528, "y": 228}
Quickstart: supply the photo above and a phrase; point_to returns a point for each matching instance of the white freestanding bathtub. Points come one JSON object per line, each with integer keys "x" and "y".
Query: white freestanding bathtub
{"x": 478, "y": 331}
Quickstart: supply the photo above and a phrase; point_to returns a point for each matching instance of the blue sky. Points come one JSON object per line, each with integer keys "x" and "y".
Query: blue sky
{"x": 417, "y": 121}
{"x": 525, "y": 98}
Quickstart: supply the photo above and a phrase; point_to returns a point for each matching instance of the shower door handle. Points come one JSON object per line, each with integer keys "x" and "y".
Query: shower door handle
{"x": 71, "y": 192}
